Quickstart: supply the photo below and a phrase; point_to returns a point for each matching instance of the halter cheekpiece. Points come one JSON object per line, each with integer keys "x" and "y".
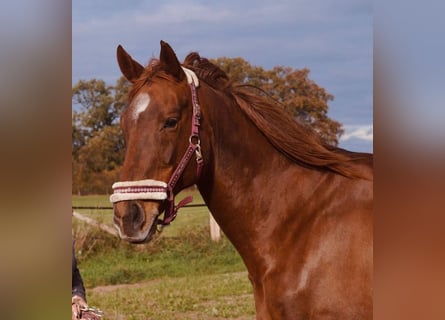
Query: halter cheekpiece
{"x": 149, "y": 189}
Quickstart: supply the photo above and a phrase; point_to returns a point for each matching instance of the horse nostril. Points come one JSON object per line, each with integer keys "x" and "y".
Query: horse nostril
{"x": 136, "y": 214}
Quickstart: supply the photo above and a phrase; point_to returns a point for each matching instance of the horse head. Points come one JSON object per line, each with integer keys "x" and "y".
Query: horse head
{"x": 161, "y": 132}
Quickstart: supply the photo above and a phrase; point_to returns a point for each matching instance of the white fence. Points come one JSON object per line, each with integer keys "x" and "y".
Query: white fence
{"x": 215, "y": 230}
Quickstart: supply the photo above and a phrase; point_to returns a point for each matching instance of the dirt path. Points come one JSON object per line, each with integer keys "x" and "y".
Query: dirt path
{"x": 112, "y": 287}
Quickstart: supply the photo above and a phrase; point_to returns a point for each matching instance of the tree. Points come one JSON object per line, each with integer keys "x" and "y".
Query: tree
{"x": 97, "y": 145}
{"x": 291, "y": 88}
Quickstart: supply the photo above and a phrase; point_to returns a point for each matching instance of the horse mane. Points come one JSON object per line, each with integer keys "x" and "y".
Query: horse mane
{"x": 298, "y": 142}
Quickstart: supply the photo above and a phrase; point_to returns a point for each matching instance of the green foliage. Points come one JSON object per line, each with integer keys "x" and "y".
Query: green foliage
{"x": 97, "y": 143}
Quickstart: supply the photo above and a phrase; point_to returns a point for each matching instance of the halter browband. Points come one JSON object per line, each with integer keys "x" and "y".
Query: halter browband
{"x": 149, "y": 189}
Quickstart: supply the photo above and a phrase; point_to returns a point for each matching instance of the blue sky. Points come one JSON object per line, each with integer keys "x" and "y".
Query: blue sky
{"x": 333, "y": 38}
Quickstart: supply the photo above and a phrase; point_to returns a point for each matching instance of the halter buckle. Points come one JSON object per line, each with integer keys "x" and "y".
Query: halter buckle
{"x": 198, "y": 152}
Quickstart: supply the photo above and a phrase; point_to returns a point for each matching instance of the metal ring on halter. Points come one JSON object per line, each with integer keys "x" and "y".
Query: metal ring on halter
{"x": 198, "y": 142}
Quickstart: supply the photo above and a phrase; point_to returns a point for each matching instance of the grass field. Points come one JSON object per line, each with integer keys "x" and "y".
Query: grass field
{"x": 181, "y": 274}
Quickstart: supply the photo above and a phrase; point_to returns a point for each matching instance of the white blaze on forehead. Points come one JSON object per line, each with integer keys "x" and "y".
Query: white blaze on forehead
{"x": 140, "y": 103}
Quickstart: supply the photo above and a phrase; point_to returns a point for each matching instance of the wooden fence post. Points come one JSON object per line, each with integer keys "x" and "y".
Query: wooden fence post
{"x": 94, "y": 223}
{"x": 215, "y": 231}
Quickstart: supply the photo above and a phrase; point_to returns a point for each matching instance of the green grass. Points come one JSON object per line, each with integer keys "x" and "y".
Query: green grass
{"x": 181, "y": 274}
{"x": 195, "y": 297}
{"x": 104, "y": 259}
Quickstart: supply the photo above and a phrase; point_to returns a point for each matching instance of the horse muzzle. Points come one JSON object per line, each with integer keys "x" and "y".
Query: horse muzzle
{"x": 136, "y": 221}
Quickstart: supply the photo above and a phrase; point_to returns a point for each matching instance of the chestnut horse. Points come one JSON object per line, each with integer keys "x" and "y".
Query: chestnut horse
{"x": 298, "y": 210}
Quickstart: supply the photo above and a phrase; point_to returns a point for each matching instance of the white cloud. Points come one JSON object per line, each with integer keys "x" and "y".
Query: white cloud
{"x": 362, "y": 132}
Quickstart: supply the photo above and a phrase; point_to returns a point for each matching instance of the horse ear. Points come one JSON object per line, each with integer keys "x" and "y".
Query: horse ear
{"x": 130, "y": 68}
{"x": 170, "y": 61}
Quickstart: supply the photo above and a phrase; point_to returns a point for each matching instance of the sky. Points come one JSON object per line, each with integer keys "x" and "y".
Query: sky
{"x": 332, "y": 38}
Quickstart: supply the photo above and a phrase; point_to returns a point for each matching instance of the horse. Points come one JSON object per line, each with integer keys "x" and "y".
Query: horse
{"x": 297, "y": 209}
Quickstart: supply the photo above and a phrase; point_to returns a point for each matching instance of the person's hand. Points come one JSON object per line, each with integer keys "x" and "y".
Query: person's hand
{"x": 77, "y": 302}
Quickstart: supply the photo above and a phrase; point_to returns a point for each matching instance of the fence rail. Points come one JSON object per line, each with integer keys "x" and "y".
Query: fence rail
{"x": 215, "y": 231}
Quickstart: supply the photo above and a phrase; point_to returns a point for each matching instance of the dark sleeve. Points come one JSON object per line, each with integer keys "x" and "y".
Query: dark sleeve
{"x": 77, "y": 282}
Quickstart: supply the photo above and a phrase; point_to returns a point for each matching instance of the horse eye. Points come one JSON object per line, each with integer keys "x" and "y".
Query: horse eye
{"x": 171, "y": 123}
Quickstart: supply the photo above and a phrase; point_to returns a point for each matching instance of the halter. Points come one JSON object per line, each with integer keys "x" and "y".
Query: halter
{"x": 159, "y": 190}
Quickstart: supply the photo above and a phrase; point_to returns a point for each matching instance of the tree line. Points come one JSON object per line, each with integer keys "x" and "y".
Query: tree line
{"x": 98, "y": 145}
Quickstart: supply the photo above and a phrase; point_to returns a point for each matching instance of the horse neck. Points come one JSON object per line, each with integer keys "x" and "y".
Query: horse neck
{"x": 241, "y": 170}
{"x": 232, "y": 147}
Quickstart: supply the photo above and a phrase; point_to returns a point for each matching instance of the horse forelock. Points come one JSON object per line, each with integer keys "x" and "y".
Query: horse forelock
{"x": 153, "y": 68}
